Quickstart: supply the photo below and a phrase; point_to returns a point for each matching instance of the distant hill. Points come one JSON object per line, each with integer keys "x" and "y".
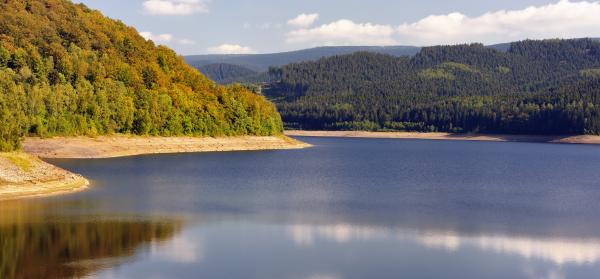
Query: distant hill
{"x": 501, "y": 47}
{"x": 215, "y": 65}
{"x": 528, "y": 87}
{"x": 262, "y": 62}
{"x": 68, "y": 70}
{"x": 228, "y": 73}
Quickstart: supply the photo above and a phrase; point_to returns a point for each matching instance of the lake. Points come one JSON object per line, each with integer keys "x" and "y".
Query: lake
{"x": 347, "y": 208}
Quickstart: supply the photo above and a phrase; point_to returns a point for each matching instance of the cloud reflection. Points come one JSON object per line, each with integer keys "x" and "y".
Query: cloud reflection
{"x": 557, "y": 250}
{"x": 180, "y": 249}
{"x": 305, "y": 235}
{"x": 560, "y": 251}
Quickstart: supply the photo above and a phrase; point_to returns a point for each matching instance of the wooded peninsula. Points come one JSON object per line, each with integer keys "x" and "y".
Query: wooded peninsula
{"x": 67, "y": 70}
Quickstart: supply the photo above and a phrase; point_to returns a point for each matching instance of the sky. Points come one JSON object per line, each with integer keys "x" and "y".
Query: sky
{"x": 267, "y": 26}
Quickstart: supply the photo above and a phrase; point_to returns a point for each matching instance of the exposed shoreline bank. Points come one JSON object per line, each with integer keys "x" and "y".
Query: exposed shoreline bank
{"x": 25, "y": 176}
{"x": 582, "y": 139}
{"x": 124, "y": 145}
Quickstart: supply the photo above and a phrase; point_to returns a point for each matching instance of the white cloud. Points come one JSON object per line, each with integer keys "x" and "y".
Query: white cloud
{"x": 303, "y": 20}
{"x": 165, "y": 38}
{"x": 230, "y": 49}
{"x": 159, "y": 38}
{"x": 175, "y": 7}
{"x": 564, "y": 19}
{"x": 344, "y": 32}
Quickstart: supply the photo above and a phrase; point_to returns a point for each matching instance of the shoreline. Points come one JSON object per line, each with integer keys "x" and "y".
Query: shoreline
{"x": 26, "y": 176}
{"x": 126, "y": 145}
{"x": 579, "y": 139}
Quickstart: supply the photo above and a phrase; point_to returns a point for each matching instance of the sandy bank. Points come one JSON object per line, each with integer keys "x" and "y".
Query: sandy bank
{"x": 23, "y": 175}
{"x": 122, "y": 145}
{"x": 448, "y": 136}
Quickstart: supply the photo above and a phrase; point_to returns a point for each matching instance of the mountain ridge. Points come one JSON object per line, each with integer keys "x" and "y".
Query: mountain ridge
{"x": 261, "y": 62}
{"x": 209, "y": 64}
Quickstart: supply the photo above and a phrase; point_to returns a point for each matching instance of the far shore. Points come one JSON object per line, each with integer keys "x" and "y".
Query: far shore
{"x": 581, "y": 139}
{"x": 125, "y": 145}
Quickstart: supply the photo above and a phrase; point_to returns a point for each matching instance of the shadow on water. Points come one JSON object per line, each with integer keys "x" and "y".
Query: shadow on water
{"x": 36, "y": 245}
{"x": 515, "y": 137}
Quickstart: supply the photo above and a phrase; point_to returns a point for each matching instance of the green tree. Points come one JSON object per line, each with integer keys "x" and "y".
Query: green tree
{"x": 99, "y": 76}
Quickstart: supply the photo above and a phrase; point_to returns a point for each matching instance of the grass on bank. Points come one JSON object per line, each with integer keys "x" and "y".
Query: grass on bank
{"x": 22, "y": 160}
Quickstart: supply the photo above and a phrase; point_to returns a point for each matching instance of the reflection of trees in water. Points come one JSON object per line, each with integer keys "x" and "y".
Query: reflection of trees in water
{"x": 53, "y": 249}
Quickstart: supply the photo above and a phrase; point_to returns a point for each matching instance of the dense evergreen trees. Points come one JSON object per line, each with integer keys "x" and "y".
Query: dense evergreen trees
{"x": 228, "y": 73}
{"x": 68, "y": 70}
{"x": 536, "y": 87}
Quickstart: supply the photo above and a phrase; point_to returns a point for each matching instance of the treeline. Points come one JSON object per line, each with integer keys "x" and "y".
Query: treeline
{"x": 68, "y": 70}
{"x": 536, "y": 87}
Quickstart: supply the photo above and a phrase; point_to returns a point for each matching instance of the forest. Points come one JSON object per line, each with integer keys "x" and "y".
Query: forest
{"x": 223, "y": 73}
{"x": 534, "y": 87}
{"x": 68, "y": 70}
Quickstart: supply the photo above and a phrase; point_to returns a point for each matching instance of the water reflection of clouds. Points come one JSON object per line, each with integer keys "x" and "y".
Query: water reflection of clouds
{"x": 183, "y": 249}
{"x": 557, "y": 250}
{"x": 532, "y": 273}
{"x": 560, "y": 251}
{"x": 305, "y": 235}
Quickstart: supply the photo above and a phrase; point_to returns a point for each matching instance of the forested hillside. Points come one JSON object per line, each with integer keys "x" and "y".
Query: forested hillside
{"x": 232, "y": 68}
{"x": 535, "y": 87}
{"x": 68, "y": 70}
{"x": 228, "y": 73}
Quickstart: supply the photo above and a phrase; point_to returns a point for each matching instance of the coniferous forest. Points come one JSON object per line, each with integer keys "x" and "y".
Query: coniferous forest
{"x": 535, "y": 87}
{"x": 68, "y": 70}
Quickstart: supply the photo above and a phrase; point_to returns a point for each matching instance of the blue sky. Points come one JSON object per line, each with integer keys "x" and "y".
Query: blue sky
{"x": 263, "y": 26}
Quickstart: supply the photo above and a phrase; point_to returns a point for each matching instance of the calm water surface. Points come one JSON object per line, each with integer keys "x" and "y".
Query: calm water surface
{"x": 347, "y": 208}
